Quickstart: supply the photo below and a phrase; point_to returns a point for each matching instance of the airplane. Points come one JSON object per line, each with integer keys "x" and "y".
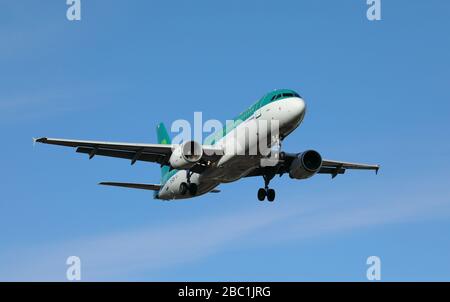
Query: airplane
{"x": 190, "y": 169}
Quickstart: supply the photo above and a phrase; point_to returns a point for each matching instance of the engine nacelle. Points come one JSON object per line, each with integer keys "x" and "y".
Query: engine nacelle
{"x": 186, "y": 155}
{"x": 305, "y": 165}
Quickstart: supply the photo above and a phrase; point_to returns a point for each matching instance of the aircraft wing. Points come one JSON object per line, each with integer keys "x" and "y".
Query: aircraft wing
{"x": 331, "y": 167}
{"x": 334, "y": 167}
{"x": 156, "y": 153}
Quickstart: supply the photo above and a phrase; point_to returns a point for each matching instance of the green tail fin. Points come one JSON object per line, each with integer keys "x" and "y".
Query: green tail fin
{"x": 164, "y": 139}
{"x": 163, "y": 135}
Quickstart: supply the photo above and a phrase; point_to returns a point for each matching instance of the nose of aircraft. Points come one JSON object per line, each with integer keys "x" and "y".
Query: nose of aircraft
{"x": 298, "y": 109}
{"x": 301, "y": 105}
{"x": 293, "y": 114}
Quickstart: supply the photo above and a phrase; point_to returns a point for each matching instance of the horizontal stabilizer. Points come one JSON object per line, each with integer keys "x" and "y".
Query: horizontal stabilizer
{"x": 132, "y": 185}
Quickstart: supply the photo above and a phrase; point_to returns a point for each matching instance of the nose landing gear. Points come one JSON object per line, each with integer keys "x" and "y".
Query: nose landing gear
{"x": 270, "y": 195}
{"x": 262, "y": 194}
{"x": 266, "y": 192}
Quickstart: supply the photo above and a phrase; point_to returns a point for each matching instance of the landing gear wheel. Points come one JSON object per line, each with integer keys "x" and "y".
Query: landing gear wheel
{"x": 183, "y": 188}
{"x": 261, "y": 194}
{"x": 193, "y": 189}
{"x": 270, "y": 195}
{"x": 266, "y": 192}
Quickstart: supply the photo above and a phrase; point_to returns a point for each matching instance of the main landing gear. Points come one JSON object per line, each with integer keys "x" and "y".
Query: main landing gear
{"x": 188, "y": 186}
{"x": 266, "y": 192}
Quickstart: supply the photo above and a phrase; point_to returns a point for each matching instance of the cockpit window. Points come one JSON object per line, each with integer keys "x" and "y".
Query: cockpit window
{"x": 285, "y": 95}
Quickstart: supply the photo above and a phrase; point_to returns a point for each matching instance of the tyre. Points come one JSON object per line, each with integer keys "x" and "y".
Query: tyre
{"x": 193, "y": 189}
{"x": 271, "y": 195}
{"x": 261, "y": 194}
{"x": 183, "y": 188}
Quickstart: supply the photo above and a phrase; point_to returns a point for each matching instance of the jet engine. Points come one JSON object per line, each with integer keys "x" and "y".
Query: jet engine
{"x": 305, "y": 165}
{"x": 186, "y": 155}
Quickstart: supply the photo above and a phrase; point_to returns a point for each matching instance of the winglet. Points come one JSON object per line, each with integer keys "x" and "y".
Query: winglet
{"x": 376, "y": 170}
{"x": 39, "y": 140}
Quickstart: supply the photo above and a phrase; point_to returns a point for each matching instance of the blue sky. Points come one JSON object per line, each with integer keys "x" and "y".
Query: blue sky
{"x": 376, "y": 92}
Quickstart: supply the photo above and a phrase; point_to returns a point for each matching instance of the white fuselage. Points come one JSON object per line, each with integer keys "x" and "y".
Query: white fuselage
{"x": 289, "y": 113}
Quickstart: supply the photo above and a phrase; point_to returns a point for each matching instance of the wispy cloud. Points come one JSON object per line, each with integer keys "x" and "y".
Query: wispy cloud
{"x": 118, "y": 255}
{"x": 39, "y": 104}
{"x": 32, "y": 106}
{"x": 146, "y": 248}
